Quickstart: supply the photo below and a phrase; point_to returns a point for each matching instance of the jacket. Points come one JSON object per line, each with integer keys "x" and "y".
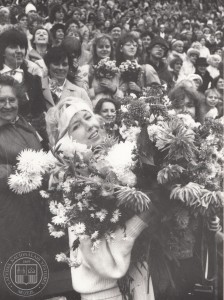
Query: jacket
{"x": 69, "y": 90}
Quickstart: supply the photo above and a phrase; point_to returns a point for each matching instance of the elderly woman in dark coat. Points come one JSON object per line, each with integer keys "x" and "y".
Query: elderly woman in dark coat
{"x": 21, "y": 216}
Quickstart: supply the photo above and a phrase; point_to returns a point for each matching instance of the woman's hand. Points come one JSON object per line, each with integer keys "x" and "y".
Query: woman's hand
{"x": 134, "y": 87}
{"x": 108, "y": 85}
{"x": 214, "y": 224}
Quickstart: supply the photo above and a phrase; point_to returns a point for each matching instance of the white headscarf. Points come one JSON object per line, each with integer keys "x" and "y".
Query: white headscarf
{"x": 59, "y": 117}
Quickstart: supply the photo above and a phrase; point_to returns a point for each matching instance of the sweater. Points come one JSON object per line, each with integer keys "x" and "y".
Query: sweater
{"x": 96, "y": 278}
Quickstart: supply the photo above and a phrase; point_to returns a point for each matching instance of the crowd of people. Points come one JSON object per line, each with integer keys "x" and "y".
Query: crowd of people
{"x": 50, "y": 85}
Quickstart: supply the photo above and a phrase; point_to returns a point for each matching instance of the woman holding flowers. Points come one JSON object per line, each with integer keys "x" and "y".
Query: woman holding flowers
{"x": 96, "y": 262}
{"x": 21, "y": 216}
{"x": 103, "y": 73}
{"x": 108, "y": 109}
{"x": 133, "y": 77}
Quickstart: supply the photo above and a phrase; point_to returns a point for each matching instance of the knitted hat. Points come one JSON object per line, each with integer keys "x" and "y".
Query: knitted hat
{"x": 201, "y": 61}
{"x": 159, "y": 41}
{"x": 30, "y": 7}
{"x": 66, "y": 111}
{"x": 176, "y": 42}
{"x": 193, "y": 51}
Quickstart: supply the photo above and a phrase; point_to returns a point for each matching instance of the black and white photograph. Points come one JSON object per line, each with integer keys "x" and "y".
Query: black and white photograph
{"x": 111, "y": 149}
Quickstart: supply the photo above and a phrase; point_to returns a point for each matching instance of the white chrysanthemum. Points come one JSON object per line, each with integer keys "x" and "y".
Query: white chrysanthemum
{"x": 31, "y": 161}
{"x": 172, "y": 112}
{"x": 61, "y": 257}
{"x": 23, "y": 183}
{"x": 101, "y": 215}
{"x": 120, "y": 158}
{"x": 133, "y": 96}
{"x": 80, "y": 206}
{"x": 69, "y": 147}
{"x": 53, "y": 206}
{"x": 128, "y": 178}
{"x": 44, "y": 194}
{"x": 66, "y": 186}
{"x": 60, "y": 220}
{"x": 95, "y": 245}
{"x": 57, "y": 234}
{"x": 129, "y": 134}
{"x": 78, "y": 228}
{"x": 94, "y": 235}
{"x": 124, "y": 108}
{"x": 152, "y": 131}
{"x": 188, "y": 121}
{"x": 115, "y": 217}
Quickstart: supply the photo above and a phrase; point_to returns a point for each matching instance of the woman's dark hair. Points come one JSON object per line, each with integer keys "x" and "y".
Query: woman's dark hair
{"x": 69, "y": 22}
{"x": 14, "y": 38}
{"x": 177, "y": 97}
{"x": 175, "y": 61}
{"x": 7, "y": 80}
{"x": 54, "y": 9}
{"x": 100, "y": 103}
{"x": 56, "y": 55}
{"x": 20, "y": 16}
{"x": 147, "y": 33}
{"x": 122, "y": 41}
{"x": 95, "y": 43}
{"x": 33, "y": 38}
{"x": 55, "y": 27}
{"x": 215, "y": 81}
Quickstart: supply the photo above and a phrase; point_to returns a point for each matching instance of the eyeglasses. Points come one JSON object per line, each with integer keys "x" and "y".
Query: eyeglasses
{"x": 131, "y": 44}
{"x": 9, "y": 100}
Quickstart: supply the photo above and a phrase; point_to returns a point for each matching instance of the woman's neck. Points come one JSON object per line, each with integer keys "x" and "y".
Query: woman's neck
{"x": 41, "y": 49}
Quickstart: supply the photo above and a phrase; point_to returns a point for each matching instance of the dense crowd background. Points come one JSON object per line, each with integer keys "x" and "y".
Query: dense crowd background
{"x": 56, "y": 49}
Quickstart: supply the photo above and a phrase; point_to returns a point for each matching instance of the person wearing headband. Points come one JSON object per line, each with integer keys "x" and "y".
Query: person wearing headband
{"x": 96, "y": 278}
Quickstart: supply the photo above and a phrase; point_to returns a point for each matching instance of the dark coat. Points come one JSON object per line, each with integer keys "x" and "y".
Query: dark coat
{"x": 206, "y": 80}
{"x": 163, "y": 73}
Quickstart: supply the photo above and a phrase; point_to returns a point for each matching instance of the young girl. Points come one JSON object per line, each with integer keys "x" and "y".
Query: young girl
{"x": 212, "y": 98}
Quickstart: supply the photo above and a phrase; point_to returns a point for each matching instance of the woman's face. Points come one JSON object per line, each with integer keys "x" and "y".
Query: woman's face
{"x": 59, "y": 16}
{"x": 9, "y": 104}
{"x": 129, "y": 49}
{"x": 103, "y": 48}
{"x": 41, "y": 37}
{"x": 24, "y": 22}
{"x": 59, "y": 34}
{"x": 14, "y": 56}
{"x": 202, "y": 41}
{"x": 215, "y": 62}
{"x": 146, "y": 40}
{"x": 59, "y": 70}
{"x": 212, "y": 99}
{"x": 220, "y": 84}
{"x": 193, "y": 58}
{"x": 179, "y": 47}
{"x": 108, "y": 112}
{"x": 177, "y": 66}
{"x": 85, "y": 129}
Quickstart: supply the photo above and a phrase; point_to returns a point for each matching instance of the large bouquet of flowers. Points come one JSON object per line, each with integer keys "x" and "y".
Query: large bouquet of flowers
{"x": 130, "y": 70}
{"x": 187, "y": 158}
{"x": 91, "y": 191}
{"x": 105, "y": 68}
